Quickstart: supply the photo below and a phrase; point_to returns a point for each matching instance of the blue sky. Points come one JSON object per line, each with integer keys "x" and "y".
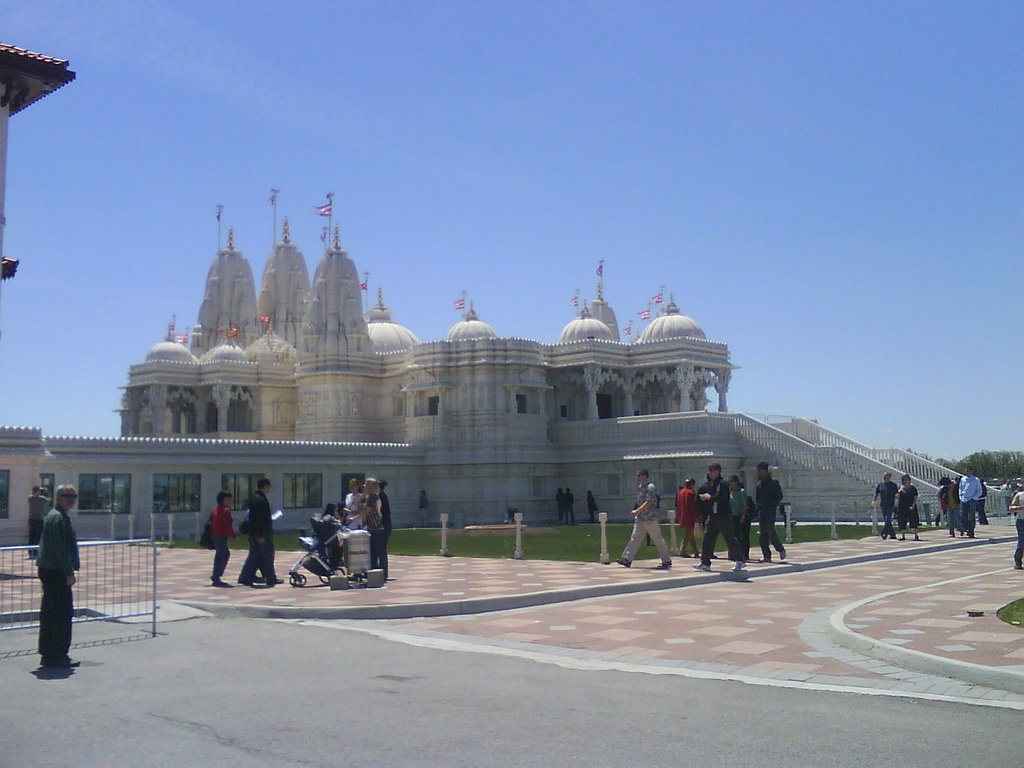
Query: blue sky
{"x": 834, "y": 189}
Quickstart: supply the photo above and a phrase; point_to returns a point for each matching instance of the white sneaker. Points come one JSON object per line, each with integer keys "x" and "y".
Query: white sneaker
{"x": 739, "y": 566}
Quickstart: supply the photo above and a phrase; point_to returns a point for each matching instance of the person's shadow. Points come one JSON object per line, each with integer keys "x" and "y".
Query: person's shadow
{"x": 53, "y": 673}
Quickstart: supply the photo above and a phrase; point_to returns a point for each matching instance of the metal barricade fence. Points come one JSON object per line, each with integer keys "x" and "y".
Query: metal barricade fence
{"x": 117, "y": 580}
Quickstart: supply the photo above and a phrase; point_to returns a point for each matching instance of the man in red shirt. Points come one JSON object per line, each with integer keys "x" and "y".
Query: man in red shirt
{"x": 686, "y": 516}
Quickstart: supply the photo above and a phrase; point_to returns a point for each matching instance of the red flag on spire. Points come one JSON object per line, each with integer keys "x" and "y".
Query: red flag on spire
{"x": 460, "y": 304}
{"x": 657, "y": 298}
{"x": 600, "y": 269}
{"x": 324, "y": 210}
{"x": 575, "y": 301}
{"x": 363, "y": 286}
{"x": 645, "y": 314}
{"x": 628, "y": 330}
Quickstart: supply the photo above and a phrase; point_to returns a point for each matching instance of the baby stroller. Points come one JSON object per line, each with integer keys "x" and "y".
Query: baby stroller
{"x": 324, "y": 551}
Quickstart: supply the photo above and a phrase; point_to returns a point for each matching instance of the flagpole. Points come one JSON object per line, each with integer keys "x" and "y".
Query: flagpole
{"x": 330, "y": 212}
{"x": 273, "y": 202}
{"x": 220, "y": 210}
{"x": 365, "y": 291}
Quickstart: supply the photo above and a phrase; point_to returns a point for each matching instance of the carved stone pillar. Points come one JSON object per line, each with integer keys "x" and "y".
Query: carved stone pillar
{"x": 627, "y": 384}
{"x": 722, "y": 377}
{"x": 591, "y": 380}
{"x": 221, "y": 394}
{"x": 157, "y": 396}
{"x": 685, "y": 376}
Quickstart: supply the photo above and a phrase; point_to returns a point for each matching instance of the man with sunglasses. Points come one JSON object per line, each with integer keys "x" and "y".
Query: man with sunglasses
{"x": 57, "y": 561}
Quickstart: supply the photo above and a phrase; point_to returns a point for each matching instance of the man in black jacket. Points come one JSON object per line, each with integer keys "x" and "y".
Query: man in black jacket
{"x": 767, "y": 495}
{"x": 713, "y": 500}
{"x": 261, "y": 538}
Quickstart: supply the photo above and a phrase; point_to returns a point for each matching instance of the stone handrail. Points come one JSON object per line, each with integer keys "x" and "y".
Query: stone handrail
{"x": 777, "y": 441}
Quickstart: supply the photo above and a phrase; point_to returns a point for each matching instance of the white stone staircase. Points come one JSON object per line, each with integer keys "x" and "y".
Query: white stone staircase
{"x": 811, "y": 446}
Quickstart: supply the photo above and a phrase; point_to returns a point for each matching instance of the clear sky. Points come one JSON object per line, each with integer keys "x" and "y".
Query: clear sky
{"x": 834, "y": 189}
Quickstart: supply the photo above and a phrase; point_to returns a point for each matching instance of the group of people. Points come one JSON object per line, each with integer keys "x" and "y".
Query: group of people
{"x": 718, "y": 507}
{"x": 961, "y": 500}
{"x": 366, "y": 506}
{"x": 901, "y": 501}
{"x": 565, "y": 504}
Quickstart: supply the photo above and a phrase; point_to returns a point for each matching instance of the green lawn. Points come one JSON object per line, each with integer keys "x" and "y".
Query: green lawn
{"x": 562, "y": 542}
{"x": 1013, "y": 613}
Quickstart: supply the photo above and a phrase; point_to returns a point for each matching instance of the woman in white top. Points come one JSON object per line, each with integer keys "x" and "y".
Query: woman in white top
{"x": 354, "y": 505}
{"x": 1017, "y": 505}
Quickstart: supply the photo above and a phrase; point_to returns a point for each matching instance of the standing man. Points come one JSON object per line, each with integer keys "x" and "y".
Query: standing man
{"x": 261, "y": 538}
{"x": 385, "y": 513}
{"x": 57, "y": 561}
{"x": 570, "y": 507}
{"x": 645, "y": 522}
{"x": 591, "y": 506}
{"x": 714, "y": 497}
{"x": 767, "y": 496}
{"x": 982, "y": 517}
{"x": 885, "y": 496}
{"x": 38, "y": 506}
{"x": 970, "y": 493}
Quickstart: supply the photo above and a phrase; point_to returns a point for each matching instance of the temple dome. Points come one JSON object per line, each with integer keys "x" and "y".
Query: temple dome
{"x": 585, "y": 327}
{"x": 271, "y": 348}
{"x": 225, "y": 352}
{"x": 471, "y": 327}
{"x": 385, "y": 333}
{"x": 671, "y": 325}
{"x": 170, "y": 352}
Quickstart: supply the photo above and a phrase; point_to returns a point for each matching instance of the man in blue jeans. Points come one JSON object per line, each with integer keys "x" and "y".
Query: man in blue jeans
{"x": 1017, "y": 505}
{"x": 970, "y": 492}
{"x": 885, "y": 497}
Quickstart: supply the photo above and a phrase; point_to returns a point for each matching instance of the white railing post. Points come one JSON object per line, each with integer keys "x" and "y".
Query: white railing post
{"x": 444, "y": 535}
{"x": 113, "y": 530}
{"x": 789, "y": 523}
{"x": 602, "y": 518}
{"x": 835, "y": 533}
{"x": 518, "y": 554}
{"x": 856, "y": 516}
{"x": 131, "y": 526}
{"x": 874, "y": 519}
{"x": 152, "y": 527}
{"x": 672, "y": 531}
{"x": 170, "y": 530}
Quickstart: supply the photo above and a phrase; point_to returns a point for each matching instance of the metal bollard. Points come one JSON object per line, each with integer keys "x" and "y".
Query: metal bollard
{"x": 602, "y": 519}
{"x": 518, "y": 554}
{"x": 789, "y": 523}
{"x": 835, "y": 533}
{"x": 170, "y": 530}
{"x": 444, "y": 535}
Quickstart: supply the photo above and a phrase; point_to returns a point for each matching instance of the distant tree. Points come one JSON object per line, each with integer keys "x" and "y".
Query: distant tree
{"x": 989, "y": 464}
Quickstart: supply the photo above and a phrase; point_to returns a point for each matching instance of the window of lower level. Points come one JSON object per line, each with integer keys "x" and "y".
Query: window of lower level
{"x": 433, "y": 405}
{"x": 105, "y": 493}
{"x": 46, "y": 482}
{"x": 5, "y": 492}
{"x": 176, "y": 493}
{"x": 241, "y": 486}
{"x": 613, "y": 485}
{"x": 303, "y": 491}
{"x": 520, "y": 403}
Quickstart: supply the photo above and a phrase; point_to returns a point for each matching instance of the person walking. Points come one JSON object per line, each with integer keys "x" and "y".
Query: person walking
{"x": 591, "y": 507}
{"x": 222, "y": 529}
{"x": 740, "y": 521}
{"x": 57, "y": 560}
{"x": 906, "y": 508}
{"x": 38, "y": 506}
{"x": 261, "y": 539}
{"x": 686, "y": 517}
{"x": 1017, "y": 506}
{"x": 645, "y": 521}
{"x": 982, "y": 517}
{"x": 970, "y": 492}
{"x": 767, "y": 496}
{"x": 714, "y": 496}
{"x": 885, "y": 497}
{"x": 374, "y": 523}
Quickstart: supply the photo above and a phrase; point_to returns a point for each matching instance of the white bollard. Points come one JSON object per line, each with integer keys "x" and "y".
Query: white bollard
{"x": 789, "y": 523}
{"x": 152, "y": 527}
{"x": 113, "y": 530}
{"x": 835, "y": 533}
{"x": 673, "y": 549}
{"x": 518, "y": 554}
{"x": 602, "y": 519}
{"x": 170, "y": 530}
{"x": 444, "y": 535}
{"x": 856, "y": 516}
{"x": 131, "y": 526}
{"x": 196, "y": 535}
{"x": 874, "y": 519}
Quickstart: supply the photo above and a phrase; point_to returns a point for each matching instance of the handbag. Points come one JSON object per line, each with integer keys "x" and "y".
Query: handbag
{"x": 206, "y": 540}
{"x": 243, "y": 527}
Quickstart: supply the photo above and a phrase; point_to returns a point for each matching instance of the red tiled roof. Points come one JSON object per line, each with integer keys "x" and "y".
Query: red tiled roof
{"x": 8, "y": 48}
{"x": 26, "y": 76}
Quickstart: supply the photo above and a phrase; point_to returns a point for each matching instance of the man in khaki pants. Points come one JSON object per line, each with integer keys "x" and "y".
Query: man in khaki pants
{"x": 646, "y": 523}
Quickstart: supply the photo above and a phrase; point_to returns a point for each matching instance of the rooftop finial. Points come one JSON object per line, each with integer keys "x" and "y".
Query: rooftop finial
{"x": 380, "y": 297}
{"x": 231, "y": 238}
{"x": 285, "y": 231}
{"x": 600, "y": 279}
{"x": 337, "y": 238}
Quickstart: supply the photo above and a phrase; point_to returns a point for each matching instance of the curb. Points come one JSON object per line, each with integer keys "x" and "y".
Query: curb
{"x": 998, "y": 678}
{"x": 551, "y": 597}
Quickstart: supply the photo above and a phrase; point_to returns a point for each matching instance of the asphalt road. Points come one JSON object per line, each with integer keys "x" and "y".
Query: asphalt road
{"x": 250, "y": 693}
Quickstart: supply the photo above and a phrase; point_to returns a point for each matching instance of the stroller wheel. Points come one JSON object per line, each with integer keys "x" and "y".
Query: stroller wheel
{"x": 325, "y": 580}
{"x": 297, "y": 579}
